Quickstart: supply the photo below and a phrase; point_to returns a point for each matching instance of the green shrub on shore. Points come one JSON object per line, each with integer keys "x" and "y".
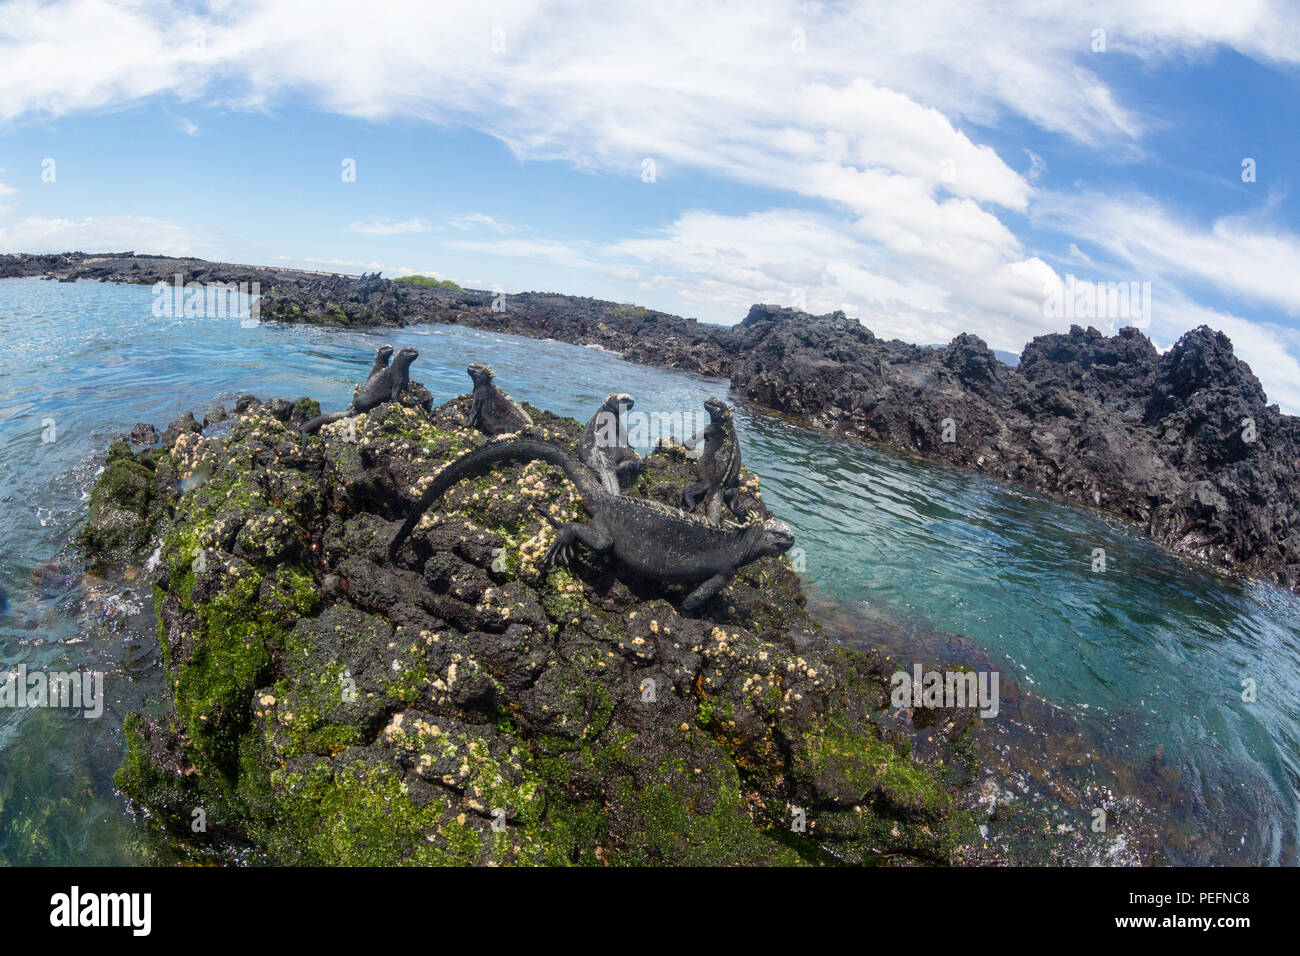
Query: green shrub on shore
{"x": 429, "y": 282}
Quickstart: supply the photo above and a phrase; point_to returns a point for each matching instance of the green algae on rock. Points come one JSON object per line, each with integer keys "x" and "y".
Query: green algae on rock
{"x": 327, "y": 707}
{"x": 123, "y": 505}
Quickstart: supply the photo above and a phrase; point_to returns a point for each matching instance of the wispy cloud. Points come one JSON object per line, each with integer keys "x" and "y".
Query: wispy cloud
{"x": 478, "y": 220}
{"x": 610, "y": 84}
{"x": 378, "y": 227}
{"x": 867, "y": 114}
{"x": 1242, "y": 254}
{"x": 100, "y": 234}
{"x": 719, "y": 265}
{"x": 561, "y": 253}
{"x": 345, "y": 264}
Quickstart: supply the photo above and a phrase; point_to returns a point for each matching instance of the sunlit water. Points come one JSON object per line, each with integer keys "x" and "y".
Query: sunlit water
{"x": 1143, "y": 662}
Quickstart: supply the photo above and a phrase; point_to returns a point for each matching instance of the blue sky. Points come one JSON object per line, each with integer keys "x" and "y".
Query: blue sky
{"x": 930, "y": 169}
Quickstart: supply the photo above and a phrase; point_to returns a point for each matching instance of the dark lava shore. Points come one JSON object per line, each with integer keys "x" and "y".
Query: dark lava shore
{"x": 1183, "y": 444}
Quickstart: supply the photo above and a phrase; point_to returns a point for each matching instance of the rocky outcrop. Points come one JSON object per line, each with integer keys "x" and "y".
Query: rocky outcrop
{"x": 327, "y": 707}
{"x": 1184, "y": 443}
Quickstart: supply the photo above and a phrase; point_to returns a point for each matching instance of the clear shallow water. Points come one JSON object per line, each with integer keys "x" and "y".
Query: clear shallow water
{"x": 1143, "y": 663}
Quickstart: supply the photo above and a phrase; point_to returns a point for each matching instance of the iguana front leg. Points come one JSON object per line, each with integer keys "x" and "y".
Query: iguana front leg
{"x": 728, "y": 498}
{"x": 693, "y": 493}
{"x": 627, "y": 472}
{"x": 732, "y": 499}
{"x": 713, "y": 509}
{"x": 705, "y": 591}
{"x": 608, "y": 476}
{"x": 592, "y": 535}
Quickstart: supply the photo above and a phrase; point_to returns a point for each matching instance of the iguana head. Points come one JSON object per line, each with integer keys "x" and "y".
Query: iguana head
{"x": 717, "y": 409}
{"x": 765, "y": 538}
{"x": 480, "y": 374}
{"x": 618, "y": 402}
{"x": 405, "y": 356}
{"x": 384, "y": 353}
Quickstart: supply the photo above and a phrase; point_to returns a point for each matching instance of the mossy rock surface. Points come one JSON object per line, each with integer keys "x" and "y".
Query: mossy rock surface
{"x": 469, "y": 705}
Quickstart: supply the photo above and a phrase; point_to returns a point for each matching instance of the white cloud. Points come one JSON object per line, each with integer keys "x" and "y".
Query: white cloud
{"x": 602, "y": 85}
{"x": 717, "y": 266}
{"x": 1241, "y": 254}
{"x": 1078, "y": 255}
{"x": 873, "y": 122}
{"x": 100, "y": 234}
{"x": 378, "y": 227}
{"x": 561, "y": 253}
{"x": 478, "y": 220}
{"x": 343, "y": 264}
{"x": 1037, "y": 166}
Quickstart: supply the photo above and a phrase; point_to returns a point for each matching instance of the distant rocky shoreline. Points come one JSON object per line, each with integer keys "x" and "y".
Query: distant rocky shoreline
{"x": 1183, "y": 443}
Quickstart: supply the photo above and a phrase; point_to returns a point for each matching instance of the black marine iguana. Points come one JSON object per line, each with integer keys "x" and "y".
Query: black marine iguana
{"x": 645, "y": 537}
{"x": 386, "y": 386}
{"x": 492, "y": 411}
{"x": 603, "y": 447}
{"x": 382, "y": 355}
{"x": 719, "y": 464}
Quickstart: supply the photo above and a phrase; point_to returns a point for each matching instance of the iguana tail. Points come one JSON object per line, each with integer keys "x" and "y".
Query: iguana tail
{"x": 313, "y": 426}
{"x": 503, "y": 451}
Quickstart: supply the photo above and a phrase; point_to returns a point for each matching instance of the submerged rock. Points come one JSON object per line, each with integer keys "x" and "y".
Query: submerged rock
{"x": 125, "y": 505}
{"x": 475, "y": 707}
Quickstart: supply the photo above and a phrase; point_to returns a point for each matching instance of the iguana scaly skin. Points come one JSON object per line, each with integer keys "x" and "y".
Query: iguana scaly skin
{"x": 386, "y": 386}
{"x": 604, "y": 449}
{"x": 491, "y": 410}
{"x": 719, "y": 464}
{"x": 382, "y": 356}
{"x": 645, "y": 537}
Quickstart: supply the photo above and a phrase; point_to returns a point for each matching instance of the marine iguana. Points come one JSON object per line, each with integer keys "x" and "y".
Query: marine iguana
{"x": 382, "y": 355}
{"x": 647, "y": 538}
{"x": 719, "y": 464}
{"x": 492, "y": 411}
{"x": 613, "y": 460}
{"x": 386, "y": 386}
